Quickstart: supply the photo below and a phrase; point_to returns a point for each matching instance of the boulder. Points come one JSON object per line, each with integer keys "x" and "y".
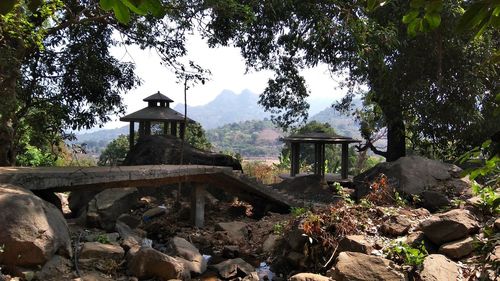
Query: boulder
{"x": 149, "y": 263}
{"x": 457, "y": 249}
{"x": 156, "y": 150}
{"x": 497, "y": 224}
{"x": 32, "y": 230}
{"x": 96, "y": 250}
{"x": 105, "y": 208}
{"x": 78, "y": 201}
{"x": 232, "y": 267}
{"x": 270, "y": 243}
{"x": 92, "y": 276}
{"x": 309, "y": 277}
{"x": 396, "y": 226}
{"x": 438, "y": 268}
{"x": 353, "y": 266}
{"x": 154, "y": 212}
{"x": 230, "y": 252}
{"x": 236, "y": 230}
{"x": 355, "y": 243}
{"x": 435, "y": 182}
{"x": 494, "y": 256}
{"x": 130, "y": 238}
{"x": 193, "y": 260}
{"x": 55, "y": 268}
{"x": 129, "y": 220}
{"x": 449, "y": 226}
{"x": 416, "y": 239}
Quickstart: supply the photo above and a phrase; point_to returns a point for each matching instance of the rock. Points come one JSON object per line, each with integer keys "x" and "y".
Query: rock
{"x": 297, "y": 260}
{"x": 78, "y": 201}
{"x": 92, "y": 276}
{"x": 494, "y": 256}
{"x": 449, "y": 226}
{"x": 435, "y": 182}
{"x": 108, "y": 205}
{"x": 457, "y": 249}
{"x": 153, "y": 212}
{"x": 96, "y": 250}
{"x": 497, "y": 224}
{"x": 355, "y": 243}
{"x": 438, "y": 268}
{"x": 130, "y": 239}
{"x": 194, "y": 261}
{"x": 230, "y": 252}
{"x": 55, "y": 268}
{"x": 254, "y": 276}
{"x": 396, "y": 226}
{"x": 32, "y": 230}
{"x": 360, "y": 267}
{"x": 309, "y": 277}
{"x": 270, "y": 243}
{"x": 156, "y": 150}
{"x": 230, "y": 268}
{"x": 150, "y": 263}
{"x": 129, "y": 220}
{"x": 416, "y": 239}
{"x": 295, "y": 239}
{"x": 237, "y": 231}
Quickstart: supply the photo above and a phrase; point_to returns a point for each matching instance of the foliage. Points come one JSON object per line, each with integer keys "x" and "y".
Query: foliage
{"x": 404, "y": 253}
{"x": 33, "y": 156}
{"x": 249, "y": 138}
{"x": 298, "y": 211}
{"x": 488, "y": 173}
{"x": 339, "y": 189}
{"x": 103, "y": 239}
{"x": 197, "y": 137}
{"x": 115, "y": 152}
{"x": 279, "y": 228}
{"x": 263, "y": 172}
{"x": 382, "y": 192}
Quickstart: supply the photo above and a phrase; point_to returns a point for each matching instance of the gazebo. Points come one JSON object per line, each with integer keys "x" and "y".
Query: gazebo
{"x": 319, "y": 139}
{"x": 158, "y": 111}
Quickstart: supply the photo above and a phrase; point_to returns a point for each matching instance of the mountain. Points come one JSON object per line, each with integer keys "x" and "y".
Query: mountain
{"x": 343, "y": 124}
{"x": 228, "y": 107}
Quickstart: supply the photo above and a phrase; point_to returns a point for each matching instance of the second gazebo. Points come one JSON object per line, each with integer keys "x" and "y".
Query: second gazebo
{"x": 158, "y": 111}
{"x": 319, "y": 139}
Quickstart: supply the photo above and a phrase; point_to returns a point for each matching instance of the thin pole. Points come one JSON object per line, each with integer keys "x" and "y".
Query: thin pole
{"x": 183, "y": 138}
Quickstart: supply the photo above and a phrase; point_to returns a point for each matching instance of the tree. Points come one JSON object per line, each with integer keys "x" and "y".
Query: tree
{"x": 115, "y": 152}
{"x": 56, "y": 71}
{"x": 406, "y": 76}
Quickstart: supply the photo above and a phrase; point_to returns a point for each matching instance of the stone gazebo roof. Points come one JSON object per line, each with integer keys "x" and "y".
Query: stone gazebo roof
{"x": 155, "y": 113}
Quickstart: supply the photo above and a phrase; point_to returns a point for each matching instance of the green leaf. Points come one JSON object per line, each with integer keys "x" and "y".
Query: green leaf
{"x": 6, "y": 6}
{"x": 138, "y": 10}
{"x": 473, "y": 16}
{"x": 155, "y": 7}
{"x": 413, "y": 27}
{"x": 107, "y": 5}
{"x": 121, "y": 11}
{"x": 410, "y": 16}
{"x": 416, "y": 4}
{"x": 434, "y": 20}
{"x": 435, "y": 6}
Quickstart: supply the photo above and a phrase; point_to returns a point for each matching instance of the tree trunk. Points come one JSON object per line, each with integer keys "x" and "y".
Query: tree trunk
{"x": 10, "y": 65}
{"x": 390, "y": 103}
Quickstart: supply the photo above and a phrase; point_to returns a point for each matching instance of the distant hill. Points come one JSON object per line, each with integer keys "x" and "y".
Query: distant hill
{"x": 228, "y": 107}
{"x": 343, "y": 125}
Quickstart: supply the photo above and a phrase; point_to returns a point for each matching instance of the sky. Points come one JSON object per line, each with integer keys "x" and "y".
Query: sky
{"x": 228, "y": 72}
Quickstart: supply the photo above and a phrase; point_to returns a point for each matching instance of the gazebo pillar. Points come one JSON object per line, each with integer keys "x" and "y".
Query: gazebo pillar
{"x": 294, "y": 158}
{"x": 131, "y": 135}
{"x": 345, "y": 161}
{"x": 173, "y": 128}
{"x": 141, "y": 128}
{"x": 182, "y": 129}
{"x": 147, "y": 128}
{"x": 165, "y": 128}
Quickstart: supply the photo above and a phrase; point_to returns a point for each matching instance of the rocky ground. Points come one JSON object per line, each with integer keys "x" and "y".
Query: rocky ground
{"x": 131, "y": 234}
